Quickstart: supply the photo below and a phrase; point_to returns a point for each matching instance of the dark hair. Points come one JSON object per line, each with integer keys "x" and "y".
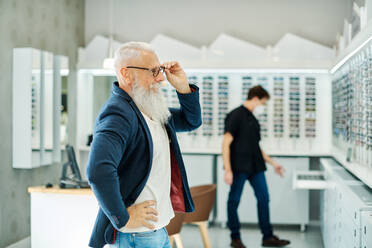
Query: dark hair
{"x": 258, "y": 91}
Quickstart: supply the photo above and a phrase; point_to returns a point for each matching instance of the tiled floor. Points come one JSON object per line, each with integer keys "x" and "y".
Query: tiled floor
{"x": 251, "y": 237}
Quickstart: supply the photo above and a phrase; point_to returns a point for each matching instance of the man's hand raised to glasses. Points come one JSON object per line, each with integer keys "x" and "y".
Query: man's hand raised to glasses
{"x": 176, "y": 76}
{"x": 140, "y": 215}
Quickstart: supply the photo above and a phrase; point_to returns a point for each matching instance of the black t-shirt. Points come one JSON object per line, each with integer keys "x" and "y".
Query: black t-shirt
{"x": 245, "y": 151}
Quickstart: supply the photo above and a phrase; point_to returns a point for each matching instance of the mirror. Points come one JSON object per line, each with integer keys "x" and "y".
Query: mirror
{"x": 35, "y": 106}
{"x": 60, "y": 115}
{"x": 46, "y": 105}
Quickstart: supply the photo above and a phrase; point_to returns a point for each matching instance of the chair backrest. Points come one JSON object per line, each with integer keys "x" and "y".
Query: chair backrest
{"x": 204, "y": 197}
{"x": 72, "y": 160}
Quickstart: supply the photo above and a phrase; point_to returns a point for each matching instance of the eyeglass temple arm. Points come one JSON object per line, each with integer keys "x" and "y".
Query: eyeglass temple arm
{"x": 136, "y": 67}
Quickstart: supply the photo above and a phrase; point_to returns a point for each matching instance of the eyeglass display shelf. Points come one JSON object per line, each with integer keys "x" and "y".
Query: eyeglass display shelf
{"x": 364, "y": 173}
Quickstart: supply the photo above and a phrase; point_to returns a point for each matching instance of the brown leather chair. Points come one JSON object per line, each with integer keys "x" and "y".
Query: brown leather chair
{"x": 174, "y": 228}
{"x": 204, "y": 197}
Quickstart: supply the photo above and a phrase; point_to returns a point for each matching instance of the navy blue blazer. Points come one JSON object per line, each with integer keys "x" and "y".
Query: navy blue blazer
{"x": 120, "y": 159}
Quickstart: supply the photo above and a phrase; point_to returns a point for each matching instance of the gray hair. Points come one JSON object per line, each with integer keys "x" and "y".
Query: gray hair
{"x": 130, "y": 50}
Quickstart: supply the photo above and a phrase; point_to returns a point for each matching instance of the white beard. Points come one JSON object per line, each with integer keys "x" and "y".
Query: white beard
{"x": 150, "y": 102}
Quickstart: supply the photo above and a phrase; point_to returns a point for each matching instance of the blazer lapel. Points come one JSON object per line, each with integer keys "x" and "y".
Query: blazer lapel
{"x": 147, "y": 130}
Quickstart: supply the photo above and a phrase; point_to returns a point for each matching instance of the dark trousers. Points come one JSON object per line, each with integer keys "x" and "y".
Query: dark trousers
{"x": 259, "y": 185}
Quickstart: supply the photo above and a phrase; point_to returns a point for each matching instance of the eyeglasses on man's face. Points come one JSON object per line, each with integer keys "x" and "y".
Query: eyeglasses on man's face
{"x": 155, "y": 71}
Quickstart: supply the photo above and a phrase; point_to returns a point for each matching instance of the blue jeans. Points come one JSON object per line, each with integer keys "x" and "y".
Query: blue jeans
{"x": 151, "y": 239}
{"x": 258, "y": 183}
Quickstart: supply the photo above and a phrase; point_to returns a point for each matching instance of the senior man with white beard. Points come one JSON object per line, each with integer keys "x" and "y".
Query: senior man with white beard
{"x": 135, "y": 166}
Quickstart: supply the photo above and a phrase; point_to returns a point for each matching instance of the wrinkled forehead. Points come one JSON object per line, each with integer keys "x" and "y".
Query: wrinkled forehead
{"x": 148, "y": 59}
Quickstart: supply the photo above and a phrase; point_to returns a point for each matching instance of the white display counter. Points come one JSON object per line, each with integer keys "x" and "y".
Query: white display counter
{"x": 61, "y": 218}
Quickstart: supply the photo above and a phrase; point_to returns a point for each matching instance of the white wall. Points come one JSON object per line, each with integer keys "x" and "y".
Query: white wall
{"x": 200, "y": 22}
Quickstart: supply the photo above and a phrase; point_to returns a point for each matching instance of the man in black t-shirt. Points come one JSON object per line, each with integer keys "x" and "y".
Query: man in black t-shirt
{"x": 244, "y": 160}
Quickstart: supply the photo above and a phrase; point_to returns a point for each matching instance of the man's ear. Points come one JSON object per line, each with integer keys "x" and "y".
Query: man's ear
{"x": 124, "y": 73}
{"x": 127, "y": 76}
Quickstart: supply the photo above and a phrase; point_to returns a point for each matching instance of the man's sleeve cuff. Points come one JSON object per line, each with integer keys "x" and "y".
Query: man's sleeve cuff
{"x": 119, "y": 222}
{"x": 193, "y": 89}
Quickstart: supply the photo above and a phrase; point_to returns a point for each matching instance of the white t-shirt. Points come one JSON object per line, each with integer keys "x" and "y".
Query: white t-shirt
{"x": 158, "y": 184}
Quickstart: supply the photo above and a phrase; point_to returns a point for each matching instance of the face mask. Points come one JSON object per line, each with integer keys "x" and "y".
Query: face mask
{"x": 259, "y": 110}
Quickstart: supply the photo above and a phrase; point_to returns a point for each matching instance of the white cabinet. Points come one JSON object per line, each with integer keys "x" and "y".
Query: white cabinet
{"x": 26, "y": 117}
{"x": 287, "y": 206}
{"x": 342, "y": 206}
{"x": 36, "y": 108}
{"x": 366, "y": 217}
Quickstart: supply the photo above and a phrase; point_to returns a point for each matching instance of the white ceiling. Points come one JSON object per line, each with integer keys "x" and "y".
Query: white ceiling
{"x": 262, "y": 22}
